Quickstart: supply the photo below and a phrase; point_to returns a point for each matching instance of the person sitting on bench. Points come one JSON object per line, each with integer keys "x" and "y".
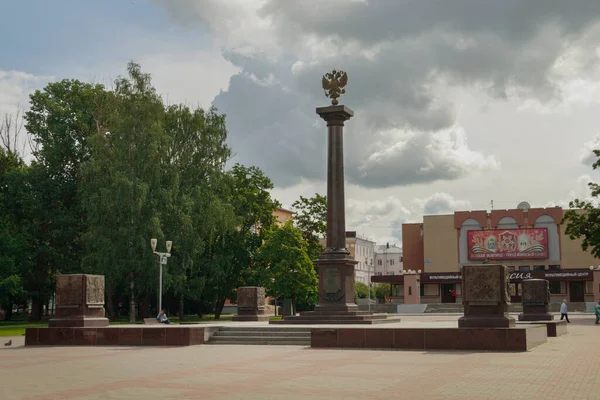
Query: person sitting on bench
{"x": 162, "y": 318}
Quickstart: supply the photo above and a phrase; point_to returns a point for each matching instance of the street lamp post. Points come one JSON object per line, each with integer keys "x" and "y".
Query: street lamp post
{"x": 369, "y": 275}
{"x": 163, "y": 257}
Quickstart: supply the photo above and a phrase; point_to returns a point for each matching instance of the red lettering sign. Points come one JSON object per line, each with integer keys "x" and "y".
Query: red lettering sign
{"x": 509, "y": 244}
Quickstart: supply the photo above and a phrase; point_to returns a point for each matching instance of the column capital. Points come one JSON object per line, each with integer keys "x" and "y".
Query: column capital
{"x": 335, "y": 115}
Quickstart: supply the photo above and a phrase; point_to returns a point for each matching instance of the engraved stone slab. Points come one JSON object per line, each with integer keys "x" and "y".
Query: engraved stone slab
{"x": 486, "y": 297}
{"x": 536, "y": 292}
{"x": 251, "y": 298}
{"x": 94, "y": 289}
{"x": 69, "y": 290}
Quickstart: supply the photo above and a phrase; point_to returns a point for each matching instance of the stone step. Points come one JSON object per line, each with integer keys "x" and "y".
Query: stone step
{"x": 261, "y": 329}
{"x": 338, "y": 317}
{"x": 266, "y": 333}
{"x": 363, "y": 321}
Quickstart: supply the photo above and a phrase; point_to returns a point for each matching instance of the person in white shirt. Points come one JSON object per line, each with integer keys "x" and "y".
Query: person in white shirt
{"x": 162, "y": 318}
{"x": 564, "y": 313}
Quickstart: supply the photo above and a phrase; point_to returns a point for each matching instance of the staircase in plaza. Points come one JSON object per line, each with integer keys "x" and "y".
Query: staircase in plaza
{"x": 512, "y": 308}
{"x": 444, "y": 308}
{"x": 261, "y": 335}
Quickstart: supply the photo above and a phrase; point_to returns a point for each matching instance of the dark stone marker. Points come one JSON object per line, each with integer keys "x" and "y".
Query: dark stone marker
{"x": 536, "y": 300}
{"x": 79, "y": 301}
{"x": 251, "y": 304}
{"x": 485, "y": 297}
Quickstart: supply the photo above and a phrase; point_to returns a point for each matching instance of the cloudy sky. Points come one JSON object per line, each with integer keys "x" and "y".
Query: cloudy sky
{"x": 457, "y": 103}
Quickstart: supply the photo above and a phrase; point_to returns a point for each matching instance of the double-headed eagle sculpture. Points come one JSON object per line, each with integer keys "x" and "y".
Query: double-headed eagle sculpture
{"x": 333, "y": 84}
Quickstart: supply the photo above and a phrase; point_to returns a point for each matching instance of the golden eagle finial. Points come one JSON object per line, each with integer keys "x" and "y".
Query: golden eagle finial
{"x": 333, "y": 84}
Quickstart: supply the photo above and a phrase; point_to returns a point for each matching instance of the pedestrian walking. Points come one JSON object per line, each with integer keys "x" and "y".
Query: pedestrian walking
{"x": 564, "y": 312}
{"x": 597, "y": 312}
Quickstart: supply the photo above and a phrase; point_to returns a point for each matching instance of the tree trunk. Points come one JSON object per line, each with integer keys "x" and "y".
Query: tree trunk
{"x": 219, "y": 307}
{"x": 36, "y": 309}
{"x": 131, "y": 305}
{"x": 110, "y": 305}
{"x": 181, "y": 309}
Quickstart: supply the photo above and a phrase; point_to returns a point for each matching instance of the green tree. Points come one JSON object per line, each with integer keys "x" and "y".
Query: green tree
{"x": 121, "y": 189}
{"x": 381, "y": 290}
{"x": 195, "y": 198}
{"x": 60, "y": 120}
{"x": 287, "y": 268}
{"x": 582, "y": 220}
{"x": 311, "y": 219}
{"x": 361, "y": 291}
{"x": 230, "y": 257}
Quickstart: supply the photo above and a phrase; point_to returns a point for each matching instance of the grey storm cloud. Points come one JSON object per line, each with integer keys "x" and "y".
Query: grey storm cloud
{"x": 395, "y": 52}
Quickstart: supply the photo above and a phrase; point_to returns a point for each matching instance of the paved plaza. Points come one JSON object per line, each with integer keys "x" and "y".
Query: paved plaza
{"x": 567, "y": 367}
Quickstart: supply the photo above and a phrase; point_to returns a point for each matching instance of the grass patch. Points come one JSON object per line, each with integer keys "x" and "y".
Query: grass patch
{"x": 17, "y": 326}
{"x": 275, "y": 318}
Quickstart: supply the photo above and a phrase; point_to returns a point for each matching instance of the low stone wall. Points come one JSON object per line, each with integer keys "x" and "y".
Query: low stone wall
{"x": 116, "y": 336}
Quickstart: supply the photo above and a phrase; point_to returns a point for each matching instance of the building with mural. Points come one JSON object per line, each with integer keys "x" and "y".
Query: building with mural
{"x": 530, "y": 241}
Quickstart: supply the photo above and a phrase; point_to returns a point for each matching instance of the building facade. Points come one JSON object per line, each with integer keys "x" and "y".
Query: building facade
{"x": 530, "y": 241}
{"x": 388, "y": 260}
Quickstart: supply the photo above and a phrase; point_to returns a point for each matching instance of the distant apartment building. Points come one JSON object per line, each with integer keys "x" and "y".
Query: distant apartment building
{"x": 388, "y": 260}
{"x": 363, "y": 251}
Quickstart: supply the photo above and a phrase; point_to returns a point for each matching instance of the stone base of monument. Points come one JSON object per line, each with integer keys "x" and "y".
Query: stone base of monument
{"x": 486, "y": 339}
{"x": 153, "y": 335}
{"x": 536, "y": 313}
{"x": 536, "y": 317}
{"x": 553, "y": 328}
{"x": 322, "y": 317}
{"x": 336, "y": 296}
{"x": 251, "y": 304}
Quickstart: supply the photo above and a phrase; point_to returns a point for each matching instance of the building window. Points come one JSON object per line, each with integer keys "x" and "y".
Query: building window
{"x": 392, "y": 262}
{"x": 397, "y": 290}
{"x": 511, "y": 268}
{"x": 430, "y": 289}
{"x": 379, "y": 262}
{"x": 524, "y": 268}
{"x": 554, "y": 267}
{"x": 558, "y": 287}
{"x": 538, "y": 267}
{"x": 589, "y": 287}
{"x": 401, "y": 259}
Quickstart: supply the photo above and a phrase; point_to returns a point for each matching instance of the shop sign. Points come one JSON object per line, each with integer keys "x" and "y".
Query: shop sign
{"x": 568, "y": 275}
{"x": 508, "y": 244}
{"x": 518, "y": 276}
{"x": 441, "y": 277}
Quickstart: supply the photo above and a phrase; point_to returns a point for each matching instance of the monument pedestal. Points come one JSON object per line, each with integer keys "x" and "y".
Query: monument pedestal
{"x": 336, "y": 295}
{"x": 485, "y": 297}
{"x": 536, "y": 300}
{"x": 251, "y": 304}
{"x": 79, "y": 301}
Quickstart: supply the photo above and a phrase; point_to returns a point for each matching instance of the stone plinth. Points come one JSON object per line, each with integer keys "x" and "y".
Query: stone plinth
{"x": 155, "y": 335}
{"x": 536, "y": 300}
{"x": 485, "y": 339}
{"x": 485, "y": 297}
{"x": 412, "y": 289}
{"x": 251, "y": 304}
{"x": 79, "y": 301}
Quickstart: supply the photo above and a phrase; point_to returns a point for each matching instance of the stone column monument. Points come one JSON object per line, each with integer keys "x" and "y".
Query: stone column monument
{"x": 79, "y": 301}
{"x": 336, "y": 266}
{"x": 485, "y": 297}
{"x": 536, "y": 300}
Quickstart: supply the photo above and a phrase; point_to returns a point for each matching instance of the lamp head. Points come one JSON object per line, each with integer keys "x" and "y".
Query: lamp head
{"x": 169, "y": 245}
{"x": 153, "y": 244}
